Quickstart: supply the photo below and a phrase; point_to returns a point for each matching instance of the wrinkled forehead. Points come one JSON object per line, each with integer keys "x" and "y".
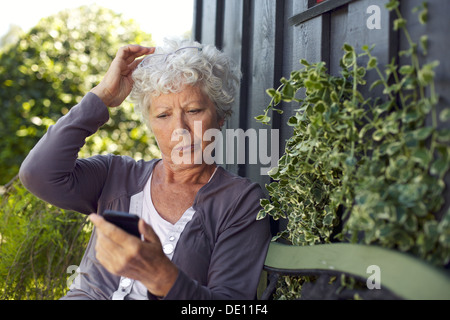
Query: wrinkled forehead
{"x": 185, "y": 95}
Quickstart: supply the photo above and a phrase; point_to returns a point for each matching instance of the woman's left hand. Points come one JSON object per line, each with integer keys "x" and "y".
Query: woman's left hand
{"x": 117, "y": 83}
{"x": 125, "y": 255}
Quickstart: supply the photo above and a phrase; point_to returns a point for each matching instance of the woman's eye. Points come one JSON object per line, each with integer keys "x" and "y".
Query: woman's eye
{"x": 162, "y": 115}
{"x": 194, "y": 111}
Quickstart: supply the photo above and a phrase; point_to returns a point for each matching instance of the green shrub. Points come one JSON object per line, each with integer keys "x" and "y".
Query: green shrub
{"x": 50, "y": 69}
{"x": 47, "y": 72}
{"x": 38, "y": 243}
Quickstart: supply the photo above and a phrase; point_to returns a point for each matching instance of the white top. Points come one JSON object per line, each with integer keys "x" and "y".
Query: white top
{"x": 167, "y": 232}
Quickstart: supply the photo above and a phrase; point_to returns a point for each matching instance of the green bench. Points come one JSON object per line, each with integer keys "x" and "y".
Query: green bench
{"x": 400, "y": 275}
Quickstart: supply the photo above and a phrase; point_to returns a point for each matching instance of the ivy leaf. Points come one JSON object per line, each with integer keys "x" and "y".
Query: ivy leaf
{"x": 421, "y": 156}
{"x": 411, "y": 223}
{"x": 320, "y": 107}
{"x": 393, "y": 148}
{"x": 348, "y": 59}
{"x": 404, "y": 240}
{"x": 431, "y": 229}
{"x": 423, "y": 15}
{"x": 393, "y": 4}
{"x": 378, "y": 135}
{"x": 406, "y": 70}
{"x": 410, "y": 116}
{"x": 443, "y": 135}
{"x": 305, "y": 63}
{"x": 261, "y": 215}
{"x": 288, "y": 92}
{"x": 426, "y": 74}
{"x": 423, "y": 133}
{"x": 263, "y": 119}
{"x": 271, "y": 92}
{"x": 293, "y": 121}
{"x": 328, "y": 219}
{"x": 372, "y": 64}
{"x": 348, "y": 48}
{"x": 334, "y": 97}
{"x": 444, "y": 116}
{"x": 350, "y": 161}
{"x": 399, "y": 24}
{"x": 275, "y": 95}
{"x": 375, "y": 84}
{"x": 439, "y": 167}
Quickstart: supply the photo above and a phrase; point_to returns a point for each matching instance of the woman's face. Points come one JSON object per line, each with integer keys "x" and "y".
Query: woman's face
{"x": 179, "y": 121}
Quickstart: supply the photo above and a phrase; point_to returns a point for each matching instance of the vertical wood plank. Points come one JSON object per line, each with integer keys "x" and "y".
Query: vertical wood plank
{"x": 280, "y": 43}
{"x": 261, "y": 72}
{"x": 209, "y": 22}
{"x": 358, "y": 34}
{"x": 291, "y": 61}
{"x": 236, "y": 46}
{"x": 220, "y": 6}
{"x": 338, "y": 25}
{"x": 302, "y": 42}
{"x": 197, "y": 21}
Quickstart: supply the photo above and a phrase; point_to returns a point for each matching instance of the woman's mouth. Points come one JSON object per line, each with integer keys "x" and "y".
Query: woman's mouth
{"x": 188, "y": 148}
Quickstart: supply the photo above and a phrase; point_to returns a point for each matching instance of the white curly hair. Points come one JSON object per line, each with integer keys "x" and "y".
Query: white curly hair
{"x": 198, "y": 65}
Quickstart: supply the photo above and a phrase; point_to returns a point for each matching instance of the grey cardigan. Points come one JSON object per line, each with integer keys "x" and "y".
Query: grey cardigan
{"x": 220, "y": 253}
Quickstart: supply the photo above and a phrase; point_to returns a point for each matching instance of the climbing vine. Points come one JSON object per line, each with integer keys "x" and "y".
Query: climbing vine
{"x": 363, "y": 169}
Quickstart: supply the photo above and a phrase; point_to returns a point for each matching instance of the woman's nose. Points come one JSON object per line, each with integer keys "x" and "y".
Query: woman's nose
{"x": 180, "y": 128}
{"x": 180, "y": 123}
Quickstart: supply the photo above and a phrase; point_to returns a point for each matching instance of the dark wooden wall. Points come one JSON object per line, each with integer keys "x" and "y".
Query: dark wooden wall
{"x": 267, "y": 38}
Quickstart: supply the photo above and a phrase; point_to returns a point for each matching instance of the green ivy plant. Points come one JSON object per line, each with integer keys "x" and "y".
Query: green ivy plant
{"x": 372, "y": 168}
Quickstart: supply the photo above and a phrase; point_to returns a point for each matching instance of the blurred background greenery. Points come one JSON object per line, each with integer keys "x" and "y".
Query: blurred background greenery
{"x": 50, "y": 69}
{"x": 43, "y": 74}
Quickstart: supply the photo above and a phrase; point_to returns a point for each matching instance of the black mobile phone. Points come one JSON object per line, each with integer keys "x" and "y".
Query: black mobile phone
{"x": 126, "y": 221}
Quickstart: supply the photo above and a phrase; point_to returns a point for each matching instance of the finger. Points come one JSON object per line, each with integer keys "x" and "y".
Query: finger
{"x": 135, "y": 63}
{"x": 131, "y": 52}
{"x": 109, "y": 254}
{"x": 105, "y": 249}
{"x": 126, "y": 51}
{"x": 147, "y": 232}
{"x": 142, "y": 53}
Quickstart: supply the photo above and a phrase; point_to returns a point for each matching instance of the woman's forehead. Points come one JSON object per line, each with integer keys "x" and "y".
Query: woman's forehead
{"x": 187, "y": 96}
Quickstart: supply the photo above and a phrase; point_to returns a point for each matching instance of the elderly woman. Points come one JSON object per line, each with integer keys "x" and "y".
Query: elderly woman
{"x": 200, "y": 237}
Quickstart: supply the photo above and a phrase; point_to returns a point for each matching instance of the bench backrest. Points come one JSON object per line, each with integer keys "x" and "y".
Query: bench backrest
{"x": 404, "y": 275}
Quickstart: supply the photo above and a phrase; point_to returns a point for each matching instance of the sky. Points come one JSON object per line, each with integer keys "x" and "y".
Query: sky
{"x": 161, "y": 18}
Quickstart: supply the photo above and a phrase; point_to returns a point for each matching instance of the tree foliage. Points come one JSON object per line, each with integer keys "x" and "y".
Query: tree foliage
{"x": 42, "y": 76}
{"x": 50, "y": 69}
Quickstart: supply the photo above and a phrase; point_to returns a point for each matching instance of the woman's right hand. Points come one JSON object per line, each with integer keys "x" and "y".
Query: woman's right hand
{"x": 117, "y": 83}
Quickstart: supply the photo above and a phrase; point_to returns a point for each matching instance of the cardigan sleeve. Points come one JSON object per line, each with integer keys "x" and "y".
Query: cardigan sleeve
{"x": 238, "y": 255}
{"x": 52, "y": 170}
